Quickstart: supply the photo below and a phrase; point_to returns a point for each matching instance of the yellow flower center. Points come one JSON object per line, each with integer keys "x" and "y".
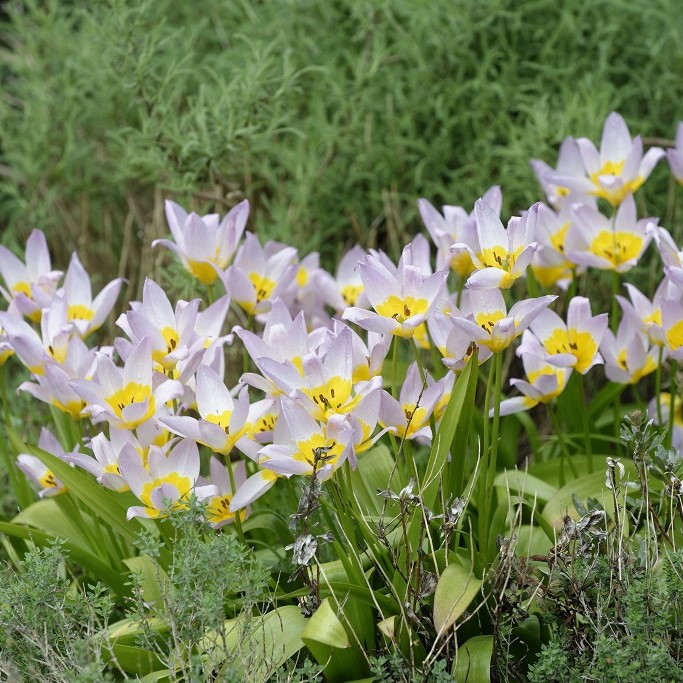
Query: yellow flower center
{"x": 182, "y": 485}
{"x": 402, "y": 309}
{"x": 557, "y": 239}
{"x": 302, "y": 277}
{"x": 547, "y": 370}
{"x": 202, "y": 271}
{"x": 332, "y": 397}
{"x": 218, "y": 510}
{"x": 318, "y": 451}
{"x": 128, "y": 395}
{"x": 614, "y": 196}
{"x": 462, "y": 264}
{"x": 351, "y": 293}
{"x": 22, "y": 288}
{"x": 48, "y": 481}
{"x": 547, "y": 276}
{"x": 580, "y": 344}
{"x": 674, "y": 335}
{"x": 499, "y": 257}
{"x": 617, "y": 247}
{"x": 80, "y": 312}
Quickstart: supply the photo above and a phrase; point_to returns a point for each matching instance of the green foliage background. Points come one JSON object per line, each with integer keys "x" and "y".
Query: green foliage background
{"x": 331, "y": 116}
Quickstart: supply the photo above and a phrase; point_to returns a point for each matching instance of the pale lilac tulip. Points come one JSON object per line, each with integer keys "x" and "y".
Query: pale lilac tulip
{"x": 504, "y": 254}
{"x": 597, "y": 241}
{"x": 29, "y": 286}
{"x": 401, "y": 300}
{"x": 616, "y": 170}
{"x": 205, "y": 245}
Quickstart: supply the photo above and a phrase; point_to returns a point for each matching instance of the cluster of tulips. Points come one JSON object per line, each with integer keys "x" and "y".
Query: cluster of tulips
{"x": 322, "y": 390}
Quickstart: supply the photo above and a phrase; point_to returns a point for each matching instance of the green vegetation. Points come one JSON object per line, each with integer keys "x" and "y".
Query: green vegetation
{"x": 331, "y": 117}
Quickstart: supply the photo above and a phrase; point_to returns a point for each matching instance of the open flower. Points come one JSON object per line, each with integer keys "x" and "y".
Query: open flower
{"x": 492, "y": 325}
{"x": 504, "y": 254}
{"x": 646, "y": 313}
{"x": 346, "y": 287}
{"x": 617, "y": 170}
{"x": 456, "y": 226}
{"x": 401, "y": 300}
{"x": 569, "y": 163}
{"x": 628, "y": 355}
{"x": 672, "y": 324}
{"x": 544, "y": 383}
{"x": 223, "y": 423}
{"x": 571, "y": 345}
{"x": 87, "y": 314}
{"x": 29, "y": 286}
{"x": 46, "y": 481}
{"x": 104, "y": 466}
{"x": 218, "y": 511}
{"x": 600, "y": 242}
{"x": 303, "y": 446}
{"x": 260, "y": 274}
{"x": 126, "y": 398}
{"x": 168, "y": 480}
{"x": 204, "y": 245}
{"x": 408, "y": 417}
{"x": 550, "y": 264}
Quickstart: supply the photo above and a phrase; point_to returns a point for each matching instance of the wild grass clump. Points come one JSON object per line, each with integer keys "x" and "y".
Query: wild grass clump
{"x": 332, "y": 117}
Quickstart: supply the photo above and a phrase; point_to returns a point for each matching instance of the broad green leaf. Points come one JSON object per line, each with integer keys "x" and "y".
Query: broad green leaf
{"x": 376, "y": 472}
{"x": 47, "y": 516}
{"x": 531, "y": 540}
{"x": 328, "y": 641}
{"x": 93, "y": 565}
{"x": 150, "y": 576}
{"x": 588, "y": 485}
{"x": 107, "y": 505}
{"x": 162, "y": 676}
{"x": 456, "y": 409}
{"x": 132, "y": 659}
{"x": 524, "y": 484}
{"x": 455, "y": 591}
{"x": 474, "y": 661}
{"x": 126, "y": 631}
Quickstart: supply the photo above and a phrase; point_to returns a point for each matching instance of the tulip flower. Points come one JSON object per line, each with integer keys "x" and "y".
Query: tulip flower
{"x": 504, "y": 254}
{"x": 218, "y": 511}
{"x": 401, "y": 300}
{"x": 46, "y": 481}
{"x": 617, "y": 169}
{"x": 627, "y": 355}
{"x": 204, "y": 245}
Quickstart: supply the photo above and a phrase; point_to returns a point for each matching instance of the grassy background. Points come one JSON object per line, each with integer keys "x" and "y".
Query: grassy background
{"x": 331, "y": 116}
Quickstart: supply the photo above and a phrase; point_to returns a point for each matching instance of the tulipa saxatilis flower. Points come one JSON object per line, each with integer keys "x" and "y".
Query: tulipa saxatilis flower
{"x": 303, "y": 446}
{"x": 260, "y": 274}
{"x": 569, "y": 163}
{"x": 573, "y": 344}
{"x": 544, "y": 383}
{"x": 608, "y": 244}
{"x": 454, "y": 344}
{"x": 491, "y": 325}
{"x": 671, "y": 255}
{"x": 84, "y": 312}
{"x": 56, "y": 343}
{"x": 408, "y": 417}
{"x": 675, "y": 155}
{"x": 628, "y": 355}
{"x": 346, "y": 287}
{"x": 617, "y": 169}
{"x": 456, "y": 226}
{"x": 672, "y": 325}
{"x": 104, "y": 466}
{"x": 170, "y": 332}
{"x": 218, "y": 512}
{"x": 401, "y": 300}
{"x": 128, "y": 397}
{"x": 504, "y": 254}
{"x": 167, "y": 481}
{"x": 47, "y": 482}
{"x": 52, "y": 387}
{"x": 224, "y": 419}
{"x": 646, "y": 313}
{"x": 550, "y": 264}
{"x": 205, "y": 245}
{"x": 29, "y": 286}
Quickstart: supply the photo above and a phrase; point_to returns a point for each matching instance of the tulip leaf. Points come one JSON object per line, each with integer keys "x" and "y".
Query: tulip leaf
{"x": 133, "y": 659}
{"x": 150, "y": 576}
{"x": 94, "y": 565}
{"x": 474, "y": 660}
{"x": 455, "y": 590}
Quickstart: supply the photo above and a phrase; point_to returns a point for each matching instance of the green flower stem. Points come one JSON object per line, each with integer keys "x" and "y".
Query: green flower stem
{"x": 563, "y": 444}
{"x": 418, "y": 359}
{"x": 658, "y": 384}
{"x": 458, "y": 290}
{"x": 490, "y": 454}
{"x": 394, "y": 367}
{"x": 20, "y": 486}
{"x": 237, "y": 522}
{"x": 586, "y": 426}
{"x": 672, "y": 403}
